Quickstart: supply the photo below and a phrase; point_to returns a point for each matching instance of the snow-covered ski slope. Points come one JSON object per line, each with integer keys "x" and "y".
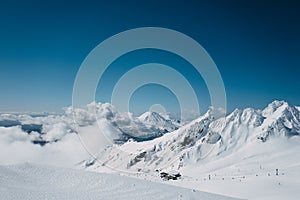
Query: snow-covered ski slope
{"x": 28, "y": 181}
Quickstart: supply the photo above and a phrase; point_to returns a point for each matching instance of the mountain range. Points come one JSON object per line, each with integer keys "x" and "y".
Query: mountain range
{"x": 247, "y": 153}
{"x": 207, "y": 138}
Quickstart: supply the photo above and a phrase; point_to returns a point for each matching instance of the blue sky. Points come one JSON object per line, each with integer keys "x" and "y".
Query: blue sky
{"x": 255, "y": 44}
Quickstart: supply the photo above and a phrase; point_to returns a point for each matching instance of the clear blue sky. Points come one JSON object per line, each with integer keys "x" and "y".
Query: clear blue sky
{"x": 255, "y": 44}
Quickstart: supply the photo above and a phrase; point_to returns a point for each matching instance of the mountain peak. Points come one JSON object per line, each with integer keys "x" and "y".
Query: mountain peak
{"x": 274, "y": 107}
{"x": 150, "y": 114}
{"x": 278, "y": 103}
{"x": 154, "y": 119}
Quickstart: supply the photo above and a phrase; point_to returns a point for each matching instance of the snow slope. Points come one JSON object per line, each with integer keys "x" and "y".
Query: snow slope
{"x": 32, "y": 182}
{"x": 250, "y": 173}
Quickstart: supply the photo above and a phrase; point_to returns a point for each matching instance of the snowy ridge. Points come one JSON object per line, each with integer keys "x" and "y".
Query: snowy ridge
{"x": 206, "y": 138}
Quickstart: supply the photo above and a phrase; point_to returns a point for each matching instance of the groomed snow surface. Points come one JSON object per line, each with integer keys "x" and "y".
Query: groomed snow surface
{"x": 27, "y": 181}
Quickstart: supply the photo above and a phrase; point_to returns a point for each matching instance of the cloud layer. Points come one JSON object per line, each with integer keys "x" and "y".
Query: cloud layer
{"x": 68, "y": 138}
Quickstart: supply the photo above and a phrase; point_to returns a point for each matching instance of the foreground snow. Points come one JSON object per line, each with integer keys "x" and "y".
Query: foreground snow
{"x": 28, "y": 181}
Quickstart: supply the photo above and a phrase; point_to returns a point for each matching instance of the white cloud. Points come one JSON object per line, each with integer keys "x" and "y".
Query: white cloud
{"x": 13, "y": 134}
{"x": 16, "y": 147}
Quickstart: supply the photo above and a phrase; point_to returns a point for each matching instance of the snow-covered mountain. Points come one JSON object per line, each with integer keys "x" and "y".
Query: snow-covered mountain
{"x": 124, "y": 125}
{"x": 206, "y": 138}
{"x": 154, "y": 119}
{"x": 143, "y": 143}
{"x": 237, "y": 155}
